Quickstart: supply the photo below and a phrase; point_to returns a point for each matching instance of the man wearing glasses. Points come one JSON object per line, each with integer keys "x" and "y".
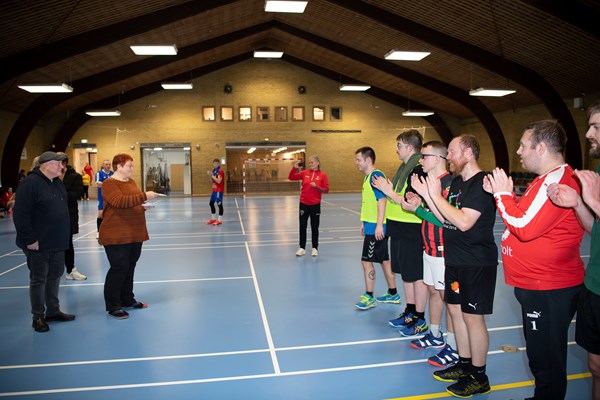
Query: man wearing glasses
{"x": 406, "y": 243}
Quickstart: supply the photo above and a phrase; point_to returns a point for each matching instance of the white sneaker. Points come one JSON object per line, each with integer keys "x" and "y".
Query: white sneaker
{"x": 314, "y": 252}
{"x": 300, "y": 252}
{"x": 76, "y": 275}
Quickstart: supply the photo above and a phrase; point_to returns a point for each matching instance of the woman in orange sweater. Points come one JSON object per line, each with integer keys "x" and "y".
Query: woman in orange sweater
{"x": 122, "y": 233}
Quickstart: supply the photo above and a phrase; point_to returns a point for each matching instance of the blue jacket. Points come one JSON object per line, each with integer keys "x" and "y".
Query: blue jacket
{"x": 41, "y": 213}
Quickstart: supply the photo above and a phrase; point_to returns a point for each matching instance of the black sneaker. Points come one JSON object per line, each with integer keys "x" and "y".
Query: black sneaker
{"x": 40, "y": 325}
{"x": 467, "y": 386}
{"x": 450, "y": 374}
{"x": 61, "y": 317}
{"x": 119, "y": 314}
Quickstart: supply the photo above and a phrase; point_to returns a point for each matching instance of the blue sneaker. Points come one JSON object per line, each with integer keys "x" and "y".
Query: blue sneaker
{"x": 428, "y": 342}
{"x": 388, "y": 298}
{"x": 415, "y": 327}
{"x": 445, "y": 358}
{"x": 402, "y": 320}
{"x": 365, "y": 302}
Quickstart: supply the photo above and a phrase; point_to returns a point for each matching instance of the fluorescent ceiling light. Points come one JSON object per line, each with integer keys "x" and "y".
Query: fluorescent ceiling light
{"x": 354, "y": 88}
{"x": 175, "y": 85}
{"x": 155, "y": 50}
{"x": 187, "y": 148}
{"x": 103, "y": 113}
{"x": 251, "y": 150}
{"x": 406, "y": 55}
{"x": 267, "y": 54}
{"x": 417, "y": 113}
{"x": 157, "y": 148}
{"x": 491, "y": 92}
{"x": 285, "y": 6}
{"x": 46, "y": 87}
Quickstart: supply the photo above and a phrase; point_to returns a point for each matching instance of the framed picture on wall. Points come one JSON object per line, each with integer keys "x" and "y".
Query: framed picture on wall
{"x": 298, "y": 113}
{"x": 226, "y": 113}
{"x": 245, "y": 113}
{"x": 336, "y": 113}
{"x": 281, "y": 113}
{"x": 319, "y": 113}
{"x": 262, "y": 113}
{"x": 208, "y": 113}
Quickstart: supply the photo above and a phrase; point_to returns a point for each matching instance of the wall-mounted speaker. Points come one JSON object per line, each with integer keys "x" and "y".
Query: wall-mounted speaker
{"x": 301, "y": 89}
{"x": 228, "y": 88}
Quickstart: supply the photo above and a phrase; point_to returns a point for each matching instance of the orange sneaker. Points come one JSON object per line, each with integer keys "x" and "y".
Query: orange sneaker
{"x": 217, "y": 222}
{"x": 210, "y": 221}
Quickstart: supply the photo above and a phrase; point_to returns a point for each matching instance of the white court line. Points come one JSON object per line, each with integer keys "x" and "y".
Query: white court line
{"x": 239, "y": 352}
{"x": 263, "y": 315}
{"x": 232, "y": 378}
{"x": 141, "y": 282}
{"x": 352, "y": 211}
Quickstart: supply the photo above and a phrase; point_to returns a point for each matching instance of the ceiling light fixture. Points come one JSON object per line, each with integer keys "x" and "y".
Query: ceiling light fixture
{"x": 267, "y": 54}
{"x": 46, "y": 87}
{"x": 417, "y": 113}
{"x": 491, "y": 92}
{"x": 176, "y": 85}
{"x": 251, "y": 150}
{"x": 354, "y": 88}
{"x": 285, "y": 6}
{"x": 155, "y": 50}
{"x": 103, "y": 113}
{"x": 406, "y": 55}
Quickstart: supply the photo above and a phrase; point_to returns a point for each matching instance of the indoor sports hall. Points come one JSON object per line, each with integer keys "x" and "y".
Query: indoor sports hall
{"x": 233, "y": 313}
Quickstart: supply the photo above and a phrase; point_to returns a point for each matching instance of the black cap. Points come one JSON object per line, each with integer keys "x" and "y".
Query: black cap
{"x": 50, "y": 156}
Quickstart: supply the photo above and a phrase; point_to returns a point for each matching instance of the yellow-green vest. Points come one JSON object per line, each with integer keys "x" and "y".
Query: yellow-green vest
{"x": 368, "y": 208}
{"x": 395, "y": 212}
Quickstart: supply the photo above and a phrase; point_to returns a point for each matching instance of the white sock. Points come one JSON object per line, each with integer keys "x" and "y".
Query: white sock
{"x": 435, "y": 330}
{"x": 219, "y": 218}
{"x": 451, "y": 340}
{"x": 214, "y": 216}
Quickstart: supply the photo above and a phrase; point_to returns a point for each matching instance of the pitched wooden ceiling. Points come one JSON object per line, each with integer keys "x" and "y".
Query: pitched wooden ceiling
{"x": 545, "y": 50}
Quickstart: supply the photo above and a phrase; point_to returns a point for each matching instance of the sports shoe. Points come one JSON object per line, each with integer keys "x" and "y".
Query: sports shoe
{"x": 445, "y": 358}
{"x": 388, "y": 298}
{"x": 210, "y": 221}
{"x": 60, "y": 317}
{"x": 450, "y": 374}
{"x": 137, "y": 304}
{"x": 402, "y": 320}
{"x": 365, "y": 302}
{"x": 217, "y": 222}
{"x": 415, "y": 327}
{"x": 300, "y": 252}
{"x": 75, "y": 275}
{"x": 467, "y": 386}
{"x": 314, "y": 252}
{"x": 119, "y": 314}
{"x": 428, "y": 342}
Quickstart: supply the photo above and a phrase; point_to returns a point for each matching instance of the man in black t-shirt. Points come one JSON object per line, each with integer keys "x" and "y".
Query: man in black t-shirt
{"x": 471, "y": 254}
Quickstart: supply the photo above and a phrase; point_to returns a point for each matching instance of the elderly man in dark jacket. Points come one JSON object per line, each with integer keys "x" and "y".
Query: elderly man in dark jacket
{"x": 41, "y": 218}
{"x": 74, "y": 186}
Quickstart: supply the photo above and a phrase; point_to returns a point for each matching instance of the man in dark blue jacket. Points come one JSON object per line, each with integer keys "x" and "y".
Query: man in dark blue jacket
{"x": 41, "y": 218}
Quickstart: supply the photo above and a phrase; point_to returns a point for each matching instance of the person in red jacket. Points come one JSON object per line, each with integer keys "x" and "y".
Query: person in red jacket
{"x": 540, "y": 253}
{"x": 314, "y": 183}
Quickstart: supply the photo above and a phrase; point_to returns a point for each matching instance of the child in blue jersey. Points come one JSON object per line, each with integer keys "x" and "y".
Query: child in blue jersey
{"x": 375, "y": 246}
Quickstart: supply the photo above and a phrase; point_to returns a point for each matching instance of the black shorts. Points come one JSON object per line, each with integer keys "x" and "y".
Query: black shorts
{"x": 587, "y": 331}
{"x": 375, "y": 250}
{"x": 406, "y": 249}
{"x": 471, "y": 287}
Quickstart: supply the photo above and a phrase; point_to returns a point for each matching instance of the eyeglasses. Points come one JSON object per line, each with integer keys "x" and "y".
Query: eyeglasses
{"x": 433, "y": 155}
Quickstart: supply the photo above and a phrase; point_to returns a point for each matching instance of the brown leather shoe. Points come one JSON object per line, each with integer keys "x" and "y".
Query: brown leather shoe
{"x": 40, "y": 325}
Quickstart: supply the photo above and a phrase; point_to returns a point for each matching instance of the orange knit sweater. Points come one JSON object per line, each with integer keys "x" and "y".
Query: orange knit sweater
{"x": 124, "y": 216}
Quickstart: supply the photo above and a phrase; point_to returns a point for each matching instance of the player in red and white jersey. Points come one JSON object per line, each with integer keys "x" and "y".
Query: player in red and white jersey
{"x": 540, "y": 252}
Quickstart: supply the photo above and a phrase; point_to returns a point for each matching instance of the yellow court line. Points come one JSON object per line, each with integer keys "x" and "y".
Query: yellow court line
{"x": 504, "y": 386}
